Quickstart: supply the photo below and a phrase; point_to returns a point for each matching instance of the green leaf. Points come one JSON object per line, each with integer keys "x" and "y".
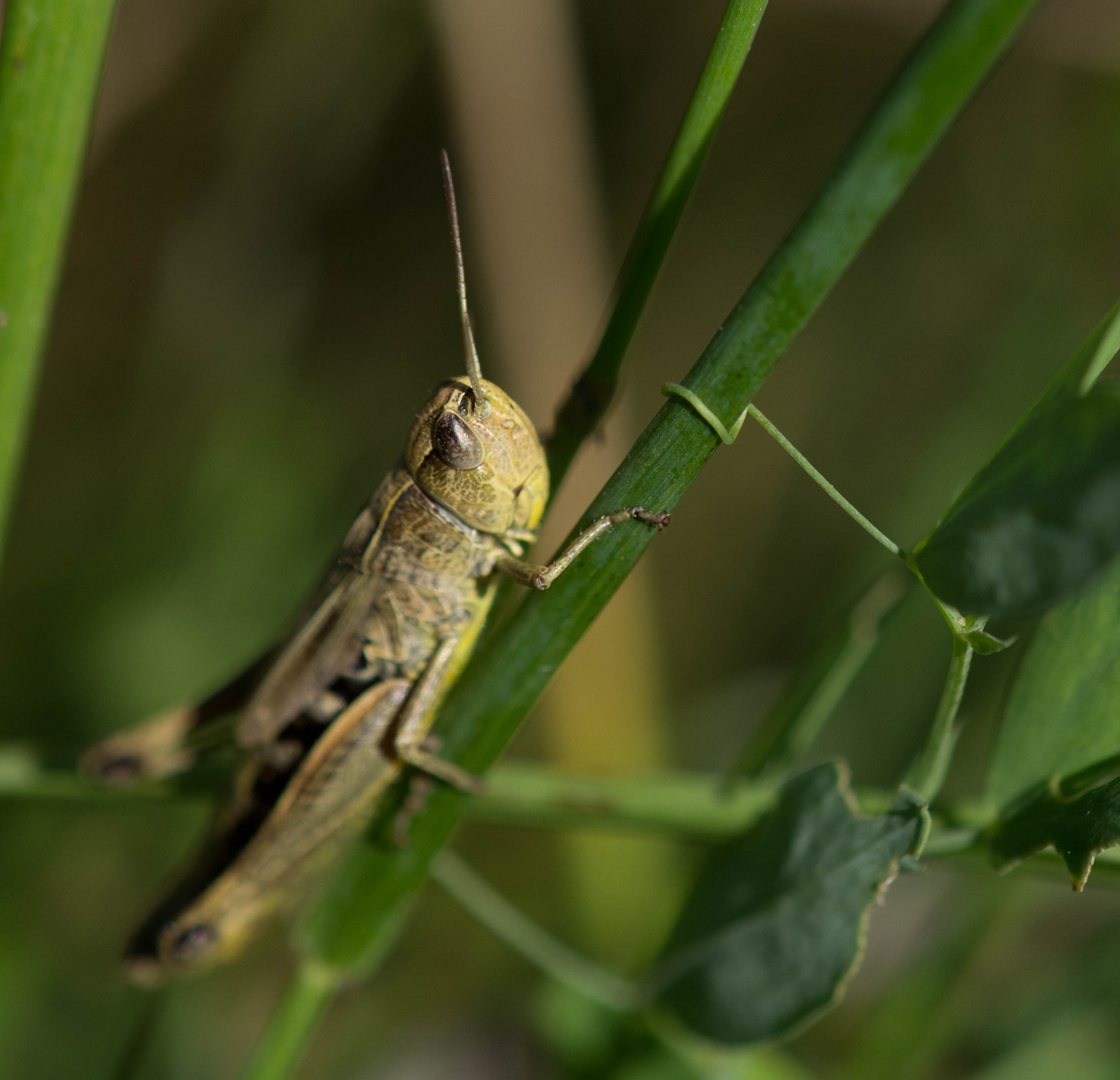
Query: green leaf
{"x": 986, "y": 644}
{"x": 1077, "y": 377}
{"x": 1059, "y": 749}
{"x": 774, "y": 928}
{"x": 1082, "y": 369}
{"x": 1078, "y": 828}
{"x": 1062, "y": 714}
{"x": 1039, "y": 520}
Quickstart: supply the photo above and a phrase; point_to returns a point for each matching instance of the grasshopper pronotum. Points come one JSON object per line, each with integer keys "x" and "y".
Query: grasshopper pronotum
{"x": 330, "y": 718}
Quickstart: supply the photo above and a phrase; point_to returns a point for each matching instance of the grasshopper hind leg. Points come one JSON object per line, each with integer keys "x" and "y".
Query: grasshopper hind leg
{"x": 234, "y": 829}
{"x": 291, "y": 825}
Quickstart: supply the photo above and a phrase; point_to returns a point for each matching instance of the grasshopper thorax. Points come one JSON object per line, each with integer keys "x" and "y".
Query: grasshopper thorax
{"x": 488, "y": 470}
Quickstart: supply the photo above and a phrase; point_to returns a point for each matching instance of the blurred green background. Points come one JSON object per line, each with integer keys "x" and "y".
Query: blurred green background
{"x": 258, "y": 297}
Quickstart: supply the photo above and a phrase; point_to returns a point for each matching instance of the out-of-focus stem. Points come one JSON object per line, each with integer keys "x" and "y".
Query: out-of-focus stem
{"x": 817, "y": 685}
{"x": 50, "y": 60}
{"x": 292, "y": 1025}
{"x": 521, "y": 933}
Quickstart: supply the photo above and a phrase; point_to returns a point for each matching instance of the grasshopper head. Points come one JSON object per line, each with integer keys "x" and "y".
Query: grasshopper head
{"x": 487, "y": 468}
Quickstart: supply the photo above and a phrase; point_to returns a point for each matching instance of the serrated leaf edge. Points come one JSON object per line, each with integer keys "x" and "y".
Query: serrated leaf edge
{"x": 1003, "y": 866}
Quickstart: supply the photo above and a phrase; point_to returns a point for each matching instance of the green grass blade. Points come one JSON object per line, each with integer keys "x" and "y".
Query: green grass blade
{"x": 588, "y": 401}
{"x": 362, "y": 907}
{"x": 50, "y": 59}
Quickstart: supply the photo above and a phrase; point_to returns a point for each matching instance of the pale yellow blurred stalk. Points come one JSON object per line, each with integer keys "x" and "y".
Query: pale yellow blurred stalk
{"x": 534, "y": 228}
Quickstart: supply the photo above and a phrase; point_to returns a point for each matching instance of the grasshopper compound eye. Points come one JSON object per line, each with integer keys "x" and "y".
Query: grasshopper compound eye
{"x": 454, "y": 442}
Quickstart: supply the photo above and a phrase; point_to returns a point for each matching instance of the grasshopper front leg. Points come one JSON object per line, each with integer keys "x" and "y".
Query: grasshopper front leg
{"x": 538, "y": 576}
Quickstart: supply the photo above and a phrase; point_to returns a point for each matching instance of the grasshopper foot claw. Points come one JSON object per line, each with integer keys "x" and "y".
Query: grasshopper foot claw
{"x": 420, "y": 788}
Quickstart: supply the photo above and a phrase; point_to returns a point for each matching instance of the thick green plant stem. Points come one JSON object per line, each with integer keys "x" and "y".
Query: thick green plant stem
{"x": 50, "y": 59}
{"x": 292, "y": 1025}
{"x": 591, "y": 395}
{"x": 515, "y": 662}
{"x": 927, "y": 774}
{"x": 524, "y": 936}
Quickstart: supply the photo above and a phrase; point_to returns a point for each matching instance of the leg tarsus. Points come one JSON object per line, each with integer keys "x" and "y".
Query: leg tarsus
{"x": 640, "y": 513}
{"x": 441, "y": 769}
{"x": 537, "y": 576}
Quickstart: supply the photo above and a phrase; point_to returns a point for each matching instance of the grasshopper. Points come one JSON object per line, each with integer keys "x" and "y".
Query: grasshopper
{"x": 331, "y": 718}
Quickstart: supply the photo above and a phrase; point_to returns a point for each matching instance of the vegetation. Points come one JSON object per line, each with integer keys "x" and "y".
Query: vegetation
{"x": 213, "y": 460}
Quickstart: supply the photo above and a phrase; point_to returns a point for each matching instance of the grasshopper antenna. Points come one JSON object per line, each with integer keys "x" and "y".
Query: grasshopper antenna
{"x": 474, "y": 369}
